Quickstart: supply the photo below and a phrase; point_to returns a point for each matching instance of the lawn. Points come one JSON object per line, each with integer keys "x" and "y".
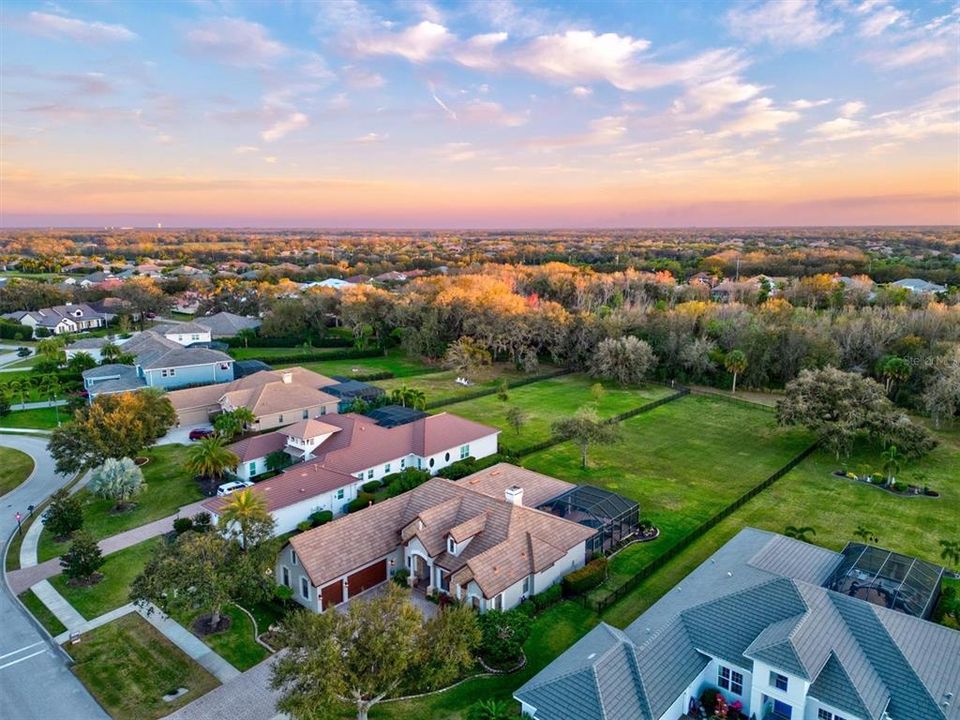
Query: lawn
{"x": 442, "y": 385}
{"x": 237, "y": 645}
{"x": 42, "y": 613}
{"x": 38, "y": 418}
{"x": 265, "y": 353}
{"x": 551, "y": 399}
{"x": 682, "y": 462}
{"x": 395, "y": 361}
{"x": 169, "y": 486}
{"x": 118, "y": 570}
{"x": 553, "y": 632}
{"x": 128, "y": 666}
{"x": 15, "y": 467}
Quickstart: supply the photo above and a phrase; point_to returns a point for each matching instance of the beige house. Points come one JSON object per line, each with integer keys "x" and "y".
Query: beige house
{"x": 276, "y": 397}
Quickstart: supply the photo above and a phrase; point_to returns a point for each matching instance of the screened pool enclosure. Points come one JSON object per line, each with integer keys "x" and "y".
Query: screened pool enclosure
{"x": 615, "y": 517}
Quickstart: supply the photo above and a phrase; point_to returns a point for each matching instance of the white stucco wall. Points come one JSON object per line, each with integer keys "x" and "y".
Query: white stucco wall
{"x": 574, "y": 559}
{"x": 795, "y": 695}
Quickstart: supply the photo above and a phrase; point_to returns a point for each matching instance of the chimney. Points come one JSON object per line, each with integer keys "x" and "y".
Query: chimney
{"x": 287, "y": 378}
{"x": 514, "y": 495}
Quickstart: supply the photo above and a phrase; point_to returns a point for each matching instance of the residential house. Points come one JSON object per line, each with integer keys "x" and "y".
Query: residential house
{"x": 475, "y": 539}
{"x": 61, "y": 319}
{"x": 340, "y": 453}
{"x": 918, "y": 286}
{"x": 160, "y": 363}
{"x": 92, "y": 346}
{"x": 335, "y": 283}
{"x": 184, "y": 333}
{"x": 225, "y": 324}
{"x": 758, "y": 622}
{"x": 276, "y": 398}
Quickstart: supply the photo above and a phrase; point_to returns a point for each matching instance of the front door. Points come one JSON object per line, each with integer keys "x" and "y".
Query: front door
{"x": 421, "y": 571}
{"x": 781, "y": 708}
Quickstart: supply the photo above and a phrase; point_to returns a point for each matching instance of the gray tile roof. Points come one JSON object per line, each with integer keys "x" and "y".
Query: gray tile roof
{"x": 759, "y": 597}
{"x": 154, "y": 351}
{"x": 225, "y": 324}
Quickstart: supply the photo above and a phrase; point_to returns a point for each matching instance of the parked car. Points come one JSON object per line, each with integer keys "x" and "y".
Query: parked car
{"x": 233, "y": 486}
{"x": 201, "y": 433}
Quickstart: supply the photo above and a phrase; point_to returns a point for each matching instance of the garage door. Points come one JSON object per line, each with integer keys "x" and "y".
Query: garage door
{"x": 194, "y": 416}
{"x": 332, "y": 595}
{"x": 367, "y": 578}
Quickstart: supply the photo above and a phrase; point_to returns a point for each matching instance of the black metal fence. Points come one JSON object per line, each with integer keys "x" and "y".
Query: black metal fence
{"x": 484, "y": 391}
{"x": 615, "y": 594}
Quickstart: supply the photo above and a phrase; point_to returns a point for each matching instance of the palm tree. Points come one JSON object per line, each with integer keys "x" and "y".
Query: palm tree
{"x": 736, "y": 363}
{"x": 951, "y": 551}
{"x": 247, "y": 334}
{"x": 19, "y": 386}
{"x": 244, "y": 509}
{"x": 245, "y": 417}
{"x": 109, "y": 353}
{"x": 866, "y": 534}
{"x": 799, "y": 533}
{"x": 409, "y": 397}
{"x": 210, "y": 458}
{"x": 892, "y": 463}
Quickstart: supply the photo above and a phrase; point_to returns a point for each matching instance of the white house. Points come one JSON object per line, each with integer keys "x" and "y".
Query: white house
{"x": 340, "y": 453}
{"x": 475, "y": 539}
{"x": 60, "y": 319}
{"x": 184, "y": 333}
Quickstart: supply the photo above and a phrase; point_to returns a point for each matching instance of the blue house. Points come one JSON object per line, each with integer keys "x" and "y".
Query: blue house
{"x": 160, "y": 363}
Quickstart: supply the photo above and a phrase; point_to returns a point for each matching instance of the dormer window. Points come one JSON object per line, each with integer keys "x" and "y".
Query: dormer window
{"x": 451, "y": 546}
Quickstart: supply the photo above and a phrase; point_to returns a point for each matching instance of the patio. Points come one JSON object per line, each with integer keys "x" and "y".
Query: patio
{"x": 417, "y": 597}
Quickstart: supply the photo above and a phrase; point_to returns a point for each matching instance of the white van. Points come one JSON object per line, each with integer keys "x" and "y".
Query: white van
{"x": 233, "y": 486}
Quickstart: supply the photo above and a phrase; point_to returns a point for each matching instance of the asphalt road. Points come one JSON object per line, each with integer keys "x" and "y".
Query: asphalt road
{"x": 35, "y": 682}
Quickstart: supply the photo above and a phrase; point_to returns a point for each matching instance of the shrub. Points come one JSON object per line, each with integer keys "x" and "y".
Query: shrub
{"x": 83, "y": 559}
{"x": 504, "y": 634}
{"x": 490, "y": 709}
{"x": 551, "y": 596}
{"x": 371, "y": 487}
{"x": 400, "y": 577}
{"x": 202, "y": 522}
{"x": 709, "y": 699}
{"x": 64, "y": 515}
{"x": 320, "y": 517}
{"x": 362, "y": 500}
{"x": 4, "y": 404}
{"x": 304, "y": 526}
{"x": 406, "y": 480}
{"x": 586, "y": 578}
{"x": 459, "y": 469}
{"x": 182, "y": 525}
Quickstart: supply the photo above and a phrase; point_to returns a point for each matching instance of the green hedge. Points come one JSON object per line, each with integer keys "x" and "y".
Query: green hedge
{"x": 371, "y": 487}
{"x": 327, "y": 341}
{"x": 321, "y": 517}
{"x": 10, "y": 330}
{"x": 586, "y": 578}
{"x": 363, "y": 500}
{"x": 551, "y": 596}
{"x": 308, "y": 356}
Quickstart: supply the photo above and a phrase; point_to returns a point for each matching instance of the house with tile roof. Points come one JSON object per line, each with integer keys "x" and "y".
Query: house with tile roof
{"x": 337, "y": 454}
{"x": 758, "y": 622}
{"x": 159, "y": 363}
{"x": 477, "y": 539}
{"x": 275, "y": 397}
{"x": 184, "y": 333}
{"x": 226, "y": 324}
{"x": 60, "y": 319}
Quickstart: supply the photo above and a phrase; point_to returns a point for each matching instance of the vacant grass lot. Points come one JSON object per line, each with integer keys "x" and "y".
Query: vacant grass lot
{"x": 118, "y": 570}
{"x": 41, "y": 612}
{"x": 15, "y": 467}
{"x": 128, "y": 666}
{"x": 682, "y": 462}
{"x": 395, "y": 361}
{"x": 38, "y": 418}
{"x": 549, "y": 400}
{"x": 169, "y": 486}
{"x": 442, "y": 386}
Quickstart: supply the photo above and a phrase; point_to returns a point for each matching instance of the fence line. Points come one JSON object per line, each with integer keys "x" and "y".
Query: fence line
{"x": 484, "y": 392}
{"x": 601, "y": 604}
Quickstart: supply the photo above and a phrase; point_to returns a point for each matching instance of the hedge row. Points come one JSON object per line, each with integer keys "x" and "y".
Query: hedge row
{"x": 586, "y": 578}
{"x": 15, "y": 331}
{"x": 318, "y": 356}
{"x": 327, "y": 341}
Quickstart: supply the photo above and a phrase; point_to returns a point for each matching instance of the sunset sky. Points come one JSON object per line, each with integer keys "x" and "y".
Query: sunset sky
{"x": 485, "y": 114}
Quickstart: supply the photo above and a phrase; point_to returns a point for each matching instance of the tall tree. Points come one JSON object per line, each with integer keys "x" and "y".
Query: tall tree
{"x": 64, "y": 514}
{"x": 892, "y": 463}
{"x": 409, "y": 397}
{"x": 82, "y": 560}
{"x": 735, "y": 363}
{"x": 210, "y": 458}
{"x": 145, "y": 297}
{"x": 245, "y": 518}
{"x": 516, "y": 418}
{"x": 626, "y": 360}
{"x": 584, "y": 429}
{"x": 466, "y": 356}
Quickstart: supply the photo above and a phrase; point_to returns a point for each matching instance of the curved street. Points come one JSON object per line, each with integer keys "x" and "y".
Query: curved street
{"x": 35, "y": 682}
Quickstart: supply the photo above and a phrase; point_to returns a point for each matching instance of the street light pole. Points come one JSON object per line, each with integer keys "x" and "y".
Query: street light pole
{"x": 19, "y": 527}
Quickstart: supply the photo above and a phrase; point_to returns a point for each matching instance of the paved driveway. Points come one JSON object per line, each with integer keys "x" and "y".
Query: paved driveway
{"x": 35, "y": 682}
{"x": 181, "y": 435}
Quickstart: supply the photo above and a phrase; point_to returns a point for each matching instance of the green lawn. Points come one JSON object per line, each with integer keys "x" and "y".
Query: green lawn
{"x": 553, "y": 632}
{"x": 395, "y": 361}
{"x": 237, "y": 645}
{"x": 265, "y": 353}
{"x": 39, "y": 418}
{"x": 119, "y": 570}
{"x": 682, "y": 462}
{"x": 27, "y": 362}
{"x": 442, "y": 385}
{"x": 128, "y": 666}
{"x": 42, "y": 613}
{"x": 548, "y": 400}
{"x": 15, "y": 467}
{"x": 169, "y": 486}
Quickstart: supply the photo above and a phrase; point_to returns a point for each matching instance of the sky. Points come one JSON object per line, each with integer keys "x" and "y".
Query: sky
{"x": 479, "y": 113}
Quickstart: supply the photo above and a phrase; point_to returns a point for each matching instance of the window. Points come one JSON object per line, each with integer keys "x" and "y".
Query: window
{"x": 432, "y": 461}
{"x": 339, "y": 495}
{"x": 252, "y": 469}
{"x": 286, "y": 576}
{"x": 173, "y": 371}
{"x": 526, "y": 585}
{"x": 386, "y": 469}
{"x": 306, "y": 414}
{"x": 446, "y": 457}
{"x": 730, "y": 680}
{"x": 451, "y": 546}
{"x": 464, "y": 452}
{"x": 781, "y": 708}
{"x": 403, "y": 463}
{"x": 370, "y": 474}
{"x": 304, "y": 588}
{"x": 194, "y": 337}
{"x": 323, "y": 409}
{"x": 279, "y": 418}
{"x": 827, "y": 715}
{"x": 293, "y": 556}
{"x": 778, "y": 681}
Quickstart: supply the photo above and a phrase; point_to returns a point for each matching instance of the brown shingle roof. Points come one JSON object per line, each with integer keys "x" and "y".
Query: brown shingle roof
{"x": 514, "y": 541}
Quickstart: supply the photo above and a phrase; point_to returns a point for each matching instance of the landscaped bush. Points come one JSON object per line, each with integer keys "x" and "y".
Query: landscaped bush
{"x": 406, "y": 480}
{"x": 709, "y": 699}
{"x": 304, "y": 525}
{"x": 371, "y": 487}
{"x": 14, "y": 331}
{"x": 320, "y": 517}
{"x": 327, "y": 341}
{"x": 400, "y": 577}
{"x": 362, "y": 500}
{"x": 504, "y": 634}
{"x": 202, "y": 522}
{"x": 586, "y": 578}
{"x": 459, "y": 469}
{"x": 551, "y": 596}
{"x": 182, "y": 525}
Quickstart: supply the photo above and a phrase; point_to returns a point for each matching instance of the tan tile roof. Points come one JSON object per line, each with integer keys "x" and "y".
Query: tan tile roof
{"x": 537, "y": 488}
{"x": 258, "y": 446}
{"x": 514, "y": 541}
{"x": 304, "y": 380}
{"x": 310, "y": 428}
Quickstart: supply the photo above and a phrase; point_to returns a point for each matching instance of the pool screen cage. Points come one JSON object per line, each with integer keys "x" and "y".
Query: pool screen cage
{"x": 889, "y": 579}
{"x": 615, "y": 517}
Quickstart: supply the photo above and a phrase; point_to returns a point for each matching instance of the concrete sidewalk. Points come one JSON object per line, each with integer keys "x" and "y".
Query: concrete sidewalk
{"x": 58, "y": 605}
{"x": 191, "y": 645}
{"x": 97, "y": 622}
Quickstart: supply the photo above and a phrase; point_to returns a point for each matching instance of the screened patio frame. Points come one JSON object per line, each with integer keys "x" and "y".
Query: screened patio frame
{"x": 615, "y": 517}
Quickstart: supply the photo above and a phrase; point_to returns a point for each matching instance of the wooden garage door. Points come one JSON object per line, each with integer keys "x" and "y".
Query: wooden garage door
{"x": 332, "y": 595}
{"x": 367, "y": 578}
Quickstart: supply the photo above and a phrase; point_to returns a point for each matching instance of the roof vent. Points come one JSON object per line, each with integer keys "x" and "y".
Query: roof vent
{"x": 303, "y": 490}
{"x": 494, "y": 473}
{"x": 287, "y": 378}
{"x": 729, "y": 574}
{"x": 591, "y": 656}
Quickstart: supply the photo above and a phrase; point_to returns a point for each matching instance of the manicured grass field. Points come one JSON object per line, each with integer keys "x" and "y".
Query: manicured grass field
{"x": 552, "y": 399}
{"x": 42, "y": 613}
{"x": 265, "y": 353}
{"x": 15, "y": 467}
{"x": 682, "y": 462}
{"x": 38, "y": 418}
{"x": 442, "y": 386}
{"x": 237, "y": 645}
{"x": 169, "y": 486}
{"x": 128, "y": 666}
{"x": 395, "y": 361}
{"x": 118, "y": 570}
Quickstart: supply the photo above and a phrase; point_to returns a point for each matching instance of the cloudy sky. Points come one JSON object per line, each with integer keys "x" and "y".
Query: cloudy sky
{"x": 480, "y": 113}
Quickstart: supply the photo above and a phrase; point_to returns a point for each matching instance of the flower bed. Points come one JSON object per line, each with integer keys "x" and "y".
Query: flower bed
{"x": 898, "y": 488}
